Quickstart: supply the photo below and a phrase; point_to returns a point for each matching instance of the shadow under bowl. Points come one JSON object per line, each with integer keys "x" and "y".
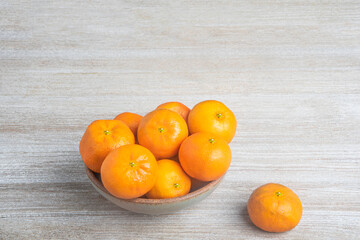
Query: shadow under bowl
{"x": 155, "y": 206}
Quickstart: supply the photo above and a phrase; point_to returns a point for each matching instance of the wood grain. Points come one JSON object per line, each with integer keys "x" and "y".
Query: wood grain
{"x": 290, "y": 71}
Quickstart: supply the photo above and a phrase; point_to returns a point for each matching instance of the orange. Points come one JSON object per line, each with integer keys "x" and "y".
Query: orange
{"x": 205, "y": 156}
{"x": 129, "y": 171}
{"x": 132, "y": 120}
{"x": 100, "y": 138}
{"x": 162, "y": 131}
{"x": 274, "y": 208}
{"x": 176, "y": 107}
{"x": 171, "y": 182}
{"x": 214, "y": 117}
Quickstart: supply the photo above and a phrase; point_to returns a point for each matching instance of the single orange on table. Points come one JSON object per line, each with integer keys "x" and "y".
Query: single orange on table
{"x": 274, "y": 208}
{"x": 176, "y": 107}
{"x": 171, "y": 181}
{"x": 214, "y": 117}
{"x": 205, "y": 156}
{"x": 132, "y": 120}
{"x": 129, "y": 171}
{"x": 162, "y": 131}
{"x": 100, "y": 137}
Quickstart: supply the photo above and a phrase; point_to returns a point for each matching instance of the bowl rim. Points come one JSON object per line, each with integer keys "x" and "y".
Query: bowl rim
{"x": 99, "y": 185}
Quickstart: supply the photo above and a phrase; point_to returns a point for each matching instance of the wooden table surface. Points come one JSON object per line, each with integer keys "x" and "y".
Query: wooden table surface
{"x": 290, "y": 71}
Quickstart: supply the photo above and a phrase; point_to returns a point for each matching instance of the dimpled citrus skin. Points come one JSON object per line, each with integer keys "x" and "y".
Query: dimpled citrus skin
{"x": 214, "y": 117}
{"x": 205, "y": 156}
{"x": 274, "y": 208}
{"x": 129, "y": 171}
{"x": 100, "y": 137}
{"x": 171, "y": 181}
{"x": 132, "y": 120}
{"x": 162, "y": 131}
{"x": 176, "y": 107}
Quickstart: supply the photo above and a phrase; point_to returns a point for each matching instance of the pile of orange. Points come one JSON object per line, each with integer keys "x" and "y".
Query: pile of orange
{"x": 161, "y": 154}
{"x": 164, "y": 153}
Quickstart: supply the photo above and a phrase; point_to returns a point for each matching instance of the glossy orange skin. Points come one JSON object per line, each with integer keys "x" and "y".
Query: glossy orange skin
{"x": 176, "y": 107}
{"x": 274, "y": 208}
{"x": 162, "y": 131}
{"x": 205, "y": 156}
{"x": 129, "y": 171}
{"x": 101, "y": 137}
{"x": 132, "y": 120}
{"x": 214, "y": 117}
{"x": 171, "y": 181}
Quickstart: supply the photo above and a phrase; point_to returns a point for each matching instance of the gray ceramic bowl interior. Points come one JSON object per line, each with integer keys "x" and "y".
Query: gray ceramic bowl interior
{"x": 155, "y": 206}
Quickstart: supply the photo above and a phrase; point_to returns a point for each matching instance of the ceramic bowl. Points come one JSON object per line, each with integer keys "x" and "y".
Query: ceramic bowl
{"x": 155, "y": 206}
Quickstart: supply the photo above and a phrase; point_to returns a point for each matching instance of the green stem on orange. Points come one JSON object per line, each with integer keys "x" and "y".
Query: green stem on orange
{"x": 106, "y": 132}
{"x": 219, "y": 115}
